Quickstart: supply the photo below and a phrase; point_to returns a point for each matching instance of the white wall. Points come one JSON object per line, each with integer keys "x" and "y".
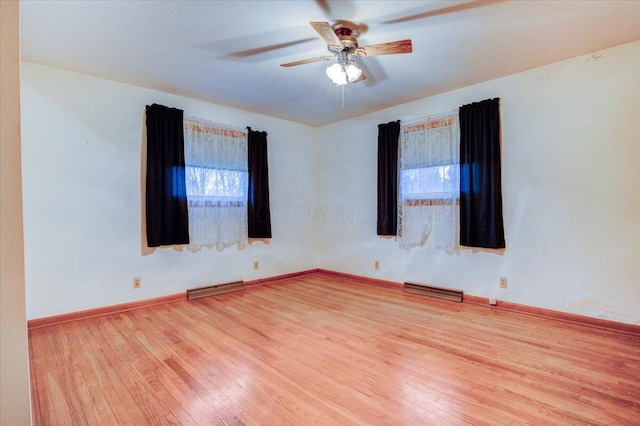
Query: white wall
{"x": 571, "y": 191}
{"x": 15, "y": 404}
{"x": 82, "y": 141}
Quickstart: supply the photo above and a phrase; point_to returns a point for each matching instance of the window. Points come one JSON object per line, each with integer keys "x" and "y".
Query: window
{"x": 216, "y": 173}
{"x": 428, "y": 199}
{"x": 431, "y": 183}
{"x": 212, "y": 187}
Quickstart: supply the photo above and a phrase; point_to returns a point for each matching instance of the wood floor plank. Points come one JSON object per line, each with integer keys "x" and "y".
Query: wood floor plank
{"x": 224, "y": 377}
{"x": 94, "y": 403}
{"x": 107, "y": 378}
{"x": 265, "y": 363}
{"x": 59, "y": 401}
{"x": 124, "y": 360}
{"x": 184, "y": 360}
{"x": 321, "y": 349}
{"x": 341, "y": 369}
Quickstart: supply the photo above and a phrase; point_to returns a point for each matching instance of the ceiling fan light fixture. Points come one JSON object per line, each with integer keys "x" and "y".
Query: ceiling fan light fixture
{"x": 343, "y": 73}
{"x": 337, "y": 74}
{"x": 353, "y": 72}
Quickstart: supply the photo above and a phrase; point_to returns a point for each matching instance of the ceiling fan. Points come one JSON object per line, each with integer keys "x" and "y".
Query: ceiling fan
{"x": 341, "y": 42}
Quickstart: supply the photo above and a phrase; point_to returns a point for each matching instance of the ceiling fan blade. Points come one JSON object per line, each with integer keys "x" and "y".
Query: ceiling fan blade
{"x": 324, "y": 5}
{"x": 390, "y": 48}
{"x": 327, "y": 33}
{"x": 442, "y": 11}
{"x": 265, "y": 49}
{"x": 307, "y": 61}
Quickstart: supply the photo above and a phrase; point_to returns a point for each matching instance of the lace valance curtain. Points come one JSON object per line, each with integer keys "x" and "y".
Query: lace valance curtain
{"x": 429, "y": 182}
{"x": 216, "y": 177}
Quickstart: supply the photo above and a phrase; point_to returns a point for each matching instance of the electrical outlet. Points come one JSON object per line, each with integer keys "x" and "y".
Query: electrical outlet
{"x": 136, "y": 283}
{"x": 256, "y": 266}
{"x": 376, "y": 264}
{"x": 493, "y": 302}
{"x": 503, "y": 282}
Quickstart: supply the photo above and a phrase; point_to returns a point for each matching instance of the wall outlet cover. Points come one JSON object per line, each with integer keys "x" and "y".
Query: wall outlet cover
{"x": 503, "y": 282}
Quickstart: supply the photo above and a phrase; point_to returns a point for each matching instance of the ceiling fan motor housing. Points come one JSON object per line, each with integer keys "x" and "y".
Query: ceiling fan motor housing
{"x": 349, "y": 43}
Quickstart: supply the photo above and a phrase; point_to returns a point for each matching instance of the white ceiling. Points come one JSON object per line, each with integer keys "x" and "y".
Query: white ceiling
{"x": 229, "y": 52}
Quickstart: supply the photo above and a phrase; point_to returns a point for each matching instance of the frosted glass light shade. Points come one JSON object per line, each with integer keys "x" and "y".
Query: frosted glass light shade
{"x": 336, "y": 73}
{"x": 345, "y": 72}
{"x": 353, "y": 72}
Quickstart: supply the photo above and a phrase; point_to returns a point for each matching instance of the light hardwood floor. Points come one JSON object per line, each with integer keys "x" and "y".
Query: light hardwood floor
{"x": 319, "y": 349}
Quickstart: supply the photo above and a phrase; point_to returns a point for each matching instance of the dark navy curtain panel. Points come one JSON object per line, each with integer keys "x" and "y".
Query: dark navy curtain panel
{"x": 258, "y": 210}
{"x": 481, "y": 222}
{"x": 166, "y": 192}
{"x": 388, "y": 136}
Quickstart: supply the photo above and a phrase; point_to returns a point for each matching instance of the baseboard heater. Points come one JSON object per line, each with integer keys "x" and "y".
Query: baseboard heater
{"x": 428, "y": 290}
{"x": 215, "y": 289}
